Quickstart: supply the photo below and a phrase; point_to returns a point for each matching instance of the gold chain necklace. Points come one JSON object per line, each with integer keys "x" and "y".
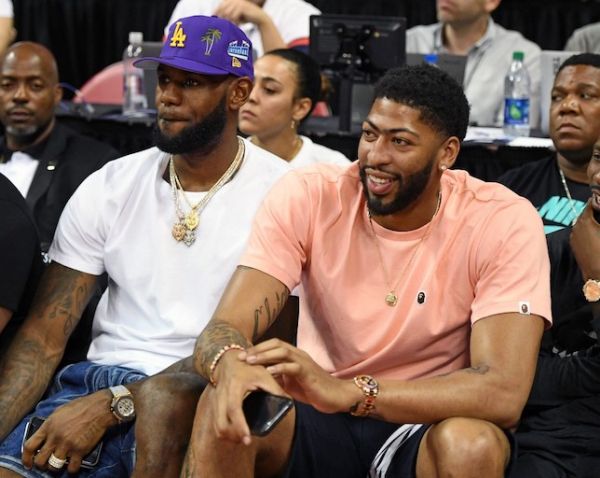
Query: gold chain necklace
{"x": 184, "y": 228}
{"x": 569, "y": 197}
{"x": 391, "y": 298}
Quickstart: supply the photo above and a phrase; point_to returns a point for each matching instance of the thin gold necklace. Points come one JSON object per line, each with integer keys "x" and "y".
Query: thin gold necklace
{"x": 184, "y": 228}
{"x": 569, "y": 197}
{"x": 391, "y": 298}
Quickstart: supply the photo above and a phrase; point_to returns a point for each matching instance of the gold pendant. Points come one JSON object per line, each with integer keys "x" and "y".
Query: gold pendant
{"x": 391, "y": 299}
{"x": 191, "y": 220}
{"x": 178, "y": 231}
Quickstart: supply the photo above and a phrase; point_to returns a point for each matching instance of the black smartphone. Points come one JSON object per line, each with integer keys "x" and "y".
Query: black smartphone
{"x": 264, "y": 410}
{"x": 88, "y": 461}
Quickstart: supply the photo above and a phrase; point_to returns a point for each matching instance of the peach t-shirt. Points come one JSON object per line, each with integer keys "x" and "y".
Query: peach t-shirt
{"x": 484, "y": 253}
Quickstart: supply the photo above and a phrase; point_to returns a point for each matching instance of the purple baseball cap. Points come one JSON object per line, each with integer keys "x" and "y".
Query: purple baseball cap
{"x": 205, "y": 45}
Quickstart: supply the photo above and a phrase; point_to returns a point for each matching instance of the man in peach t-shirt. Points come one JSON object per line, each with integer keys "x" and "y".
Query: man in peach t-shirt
{"x": 425, "y": 294}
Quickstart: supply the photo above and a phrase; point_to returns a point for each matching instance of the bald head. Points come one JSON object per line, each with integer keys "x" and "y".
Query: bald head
{"x": 29, "y": 93}
{"x": 34, "y": 54}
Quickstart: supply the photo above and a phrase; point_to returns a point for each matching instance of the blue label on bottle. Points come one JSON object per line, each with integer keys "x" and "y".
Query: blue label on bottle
{"x": 516, "y": 111}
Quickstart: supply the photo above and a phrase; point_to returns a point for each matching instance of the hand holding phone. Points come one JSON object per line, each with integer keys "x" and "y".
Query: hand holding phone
{"x": 264, "y": 410}
{"x": 88, "y": 461}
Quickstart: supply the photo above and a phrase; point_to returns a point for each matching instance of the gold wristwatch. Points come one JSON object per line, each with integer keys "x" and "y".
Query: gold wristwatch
{"x": 122, "y": 405}
{"x": 591, "y": 290}
{"x": 370, "y": 389}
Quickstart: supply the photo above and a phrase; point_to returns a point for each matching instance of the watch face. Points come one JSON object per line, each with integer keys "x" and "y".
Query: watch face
{"x": 125, "y": 407}
{"x": 591, "y": 290}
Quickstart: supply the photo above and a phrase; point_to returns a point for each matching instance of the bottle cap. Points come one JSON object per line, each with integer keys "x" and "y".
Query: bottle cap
{"x": 431, "y": 59}
{"x": 136, "y": 37}
{"x": 518, "y": 55}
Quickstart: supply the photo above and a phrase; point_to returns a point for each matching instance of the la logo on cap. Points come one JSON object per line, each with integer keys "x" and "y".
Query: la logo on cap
{"x": 178, "y": 38}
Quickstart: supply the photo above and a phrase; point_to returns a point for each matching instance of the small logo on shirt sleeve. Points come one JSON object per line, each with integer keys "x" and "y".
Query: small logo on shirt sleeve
{"x": 421, "y": 297}
{"x": 524, "y": 308}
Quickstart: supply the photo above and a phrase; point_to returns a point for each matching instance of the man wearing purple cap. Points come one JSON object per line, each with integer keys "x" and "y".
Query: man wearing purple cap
{"x": 168, "y": 225}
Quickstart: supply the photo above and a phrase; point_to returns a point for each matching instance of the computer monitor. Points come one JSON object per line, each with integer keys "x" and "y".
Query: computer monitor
{"x": 356, "y": 49}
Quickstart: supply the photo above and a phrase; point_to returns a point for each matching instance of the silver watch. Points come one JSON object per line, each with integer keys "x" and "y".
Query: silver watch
{"x": 122, "y": 405}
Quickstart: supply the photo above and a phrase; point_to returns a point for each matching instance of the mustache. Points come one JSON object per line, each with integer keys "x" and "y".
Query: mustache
{"x": 595, "y": 187}
{"x": 20, "y": 108}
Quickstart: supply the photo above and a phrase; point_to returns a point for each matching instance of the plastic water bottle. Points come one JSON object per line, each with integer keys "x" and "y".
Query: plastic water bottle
{"x": 134, "y": 99}
{"x": 517, "y": 91}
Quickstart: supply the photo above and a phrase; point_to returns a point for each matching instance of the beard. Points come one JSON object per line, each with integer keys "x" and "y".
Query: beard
{"x": 409, "y": 191}
{"x": 200, "y": 137}
{"x": 28, "y": 134}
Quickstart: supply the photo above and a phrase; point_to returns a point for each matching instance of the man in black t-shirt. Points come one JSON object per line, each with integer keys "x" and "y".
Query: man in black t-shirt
{"x": 558, "y": 435}
{"x": 20, "y": 260}
{"x": 558, "y": 186}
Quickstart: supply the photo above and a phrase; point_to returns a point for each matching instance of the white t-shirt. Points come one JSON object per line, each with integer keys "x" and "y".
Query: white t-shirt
{"x": 312, "y": 153}
{"x": 6, "y": 8}
{"x": 291, "y": 17}
{"x": 161, "y": 293}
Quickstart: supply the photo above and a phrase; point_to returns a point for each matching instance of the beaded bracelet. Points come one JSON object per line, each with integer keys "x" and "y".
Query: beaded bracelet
{"x": 217, "y": 357}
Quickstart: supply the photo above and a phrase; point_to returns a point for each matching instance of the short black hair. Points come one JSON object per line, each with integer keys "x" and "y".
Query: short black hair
{"x": 438, "y": 97}
{"x": 307, "y": 71}
{"x": 589, "y": 59}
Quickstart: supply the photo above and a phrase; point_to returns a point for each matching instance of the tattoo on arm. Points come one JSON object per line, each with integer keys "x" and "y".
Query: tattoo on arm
{"x": 217, "y": 334}
{"x": 30, "y": 361}
{"x": 479, "y": 369}
{"x": 63, "y": 294}
{"x": 267, "y": 314}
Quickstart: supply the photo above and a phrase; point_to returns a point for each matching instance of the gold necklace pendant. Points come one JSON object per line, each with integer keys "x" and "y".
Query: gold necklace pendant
{"x": 191, "y": 220}
{"x": 391, "y": 299}
{"x": 178, "y": 231}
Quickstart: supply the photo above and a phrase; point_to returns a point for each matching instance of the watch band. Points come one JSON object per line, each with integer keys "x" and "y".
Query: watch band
{"x": 370, "y": 389}
{"x": 119, "y": 391}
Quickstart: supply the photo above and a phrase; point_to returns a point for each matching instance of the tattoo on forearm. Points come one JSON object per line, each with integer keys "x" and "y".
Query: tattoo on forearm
{"x": 216, "y": 334}
{"x": 268, "y": 312}
{"x": 30, "y": 361}
{"x": 29, "y": 371}
{"x": 479, "y": 369}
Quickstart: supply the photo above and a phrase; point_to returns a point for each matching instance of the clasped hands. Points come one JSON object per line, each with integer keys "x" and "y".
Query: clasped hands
{"x": 278, "y": 368}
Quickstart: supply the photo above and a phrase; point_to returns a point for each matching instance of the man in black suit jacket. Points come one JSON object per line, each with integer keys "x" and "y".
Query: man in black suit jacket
{"x": 44, "y": 160}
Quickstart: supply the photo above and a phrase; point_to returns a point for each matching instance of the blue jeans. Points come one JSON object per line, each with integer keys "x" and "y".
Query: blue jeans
{"x": 77, "y": 380}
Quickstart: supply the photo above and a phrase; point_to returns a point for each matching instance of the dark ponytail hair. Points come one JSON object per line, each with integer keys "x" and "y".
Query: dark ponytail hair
{"x": 308, "y": 73}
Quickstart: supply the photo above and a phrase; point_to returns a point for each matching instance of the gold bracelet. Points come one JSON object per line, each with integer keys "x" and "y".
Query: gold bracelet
{"x": 217, "y": 357}
{"x": 370, "y": 389}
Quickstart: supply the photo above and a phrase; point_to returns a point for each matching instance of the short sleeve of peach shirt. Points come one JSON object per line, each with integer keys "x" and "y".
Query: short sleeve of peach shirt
{"x": 484, "y": 253}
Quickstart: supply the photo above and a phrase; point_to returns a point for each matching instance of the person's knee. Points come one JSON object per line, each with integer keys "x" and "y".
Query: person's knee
{"x": 464, "y": 443}
{"x": 172, "y": 396}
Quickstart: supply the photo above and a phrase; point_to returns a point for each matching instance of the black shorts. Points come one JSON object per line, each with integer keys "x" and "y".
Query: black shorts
{"x": 340, "y": 445}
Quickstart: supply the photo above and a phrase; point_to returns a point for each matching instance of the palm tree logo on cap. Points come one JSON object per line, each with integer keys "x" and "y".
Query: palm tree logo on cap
{"x": 211, "y": 36}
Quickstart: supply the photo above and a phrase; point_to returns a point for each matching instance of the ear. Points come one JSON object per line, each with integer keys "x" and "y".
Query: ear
{"x": 239, "y": 92}
{"x": 491, "y": 5}
{"x": 448, "y": 153}
{"x": 58, "y": 94}
{"x": 301, "y": 108}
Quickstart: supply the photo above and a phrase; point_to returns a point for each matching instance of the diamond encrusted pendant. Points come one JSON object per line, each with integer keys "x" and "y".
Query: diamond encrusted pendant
{"x": 189, "y": 238}
{"x": 178, "y": 231}
{"x": 391, "y": 299}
